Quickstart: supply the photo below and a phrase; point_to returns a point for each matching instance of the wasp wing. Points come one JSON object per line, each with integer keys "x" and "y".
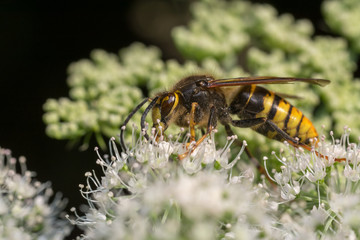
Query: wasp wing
{"x": 240, "y": 81}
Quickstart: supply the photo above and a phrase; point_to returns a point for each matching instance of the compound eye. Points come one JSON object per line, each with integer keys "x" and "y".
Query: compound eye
{"x": 167, "y": 104}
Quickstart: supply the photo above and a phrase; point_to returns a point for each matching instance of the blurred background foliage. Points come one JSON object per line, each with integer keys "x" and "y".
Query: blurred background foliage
{"x": 225, "y": 39}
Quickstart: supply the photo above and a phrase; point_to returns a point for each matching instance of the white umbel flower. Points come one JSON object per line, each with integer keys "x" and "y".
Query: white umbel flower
{"x": 26, "y": 211}
{"x": 147, "y": 193}
{"x": 320, "y": 190}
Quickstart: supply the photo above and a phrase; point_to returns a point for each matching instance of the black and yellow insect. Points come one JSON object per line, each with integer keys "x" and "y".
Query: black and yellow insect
{"x": 202, "y": 101}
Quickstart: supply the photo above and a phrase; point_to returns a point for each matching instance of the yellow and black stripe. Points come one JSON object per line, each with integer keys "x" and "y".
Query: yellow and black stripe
{"x": 257, "y": 102}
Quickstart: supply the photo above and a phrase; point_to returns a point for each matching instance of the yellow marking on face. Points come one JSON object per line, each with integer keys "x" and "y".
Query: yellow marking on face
{"x": 165, "y": 99}
{"x": 176, "y": 93}
{"x": 156, "y": 114}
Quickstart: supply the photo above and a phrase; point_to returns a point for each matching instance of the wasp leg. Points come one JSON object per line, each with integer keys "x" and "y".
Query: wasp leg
{"x": 194, "y": 105}
{"x": 122, "y": 129}
{"x": 210, "y": 127}
{"x": 296, "y": 143}
{"x": 286, "y": 136}
{"x": 246, "y": 123}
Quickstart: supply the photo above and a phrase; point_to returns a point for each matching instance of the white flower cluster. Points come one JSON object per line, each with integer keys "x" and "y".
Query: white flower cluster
{"x": 321, "y": 189}
{"x": 26, "y": 211}
{"x": 149, "y": 194}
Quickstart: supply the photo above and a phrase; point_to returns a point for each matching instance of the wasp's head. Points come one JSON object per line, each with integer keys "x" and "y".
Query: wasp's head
{"x": 164, "y": 110}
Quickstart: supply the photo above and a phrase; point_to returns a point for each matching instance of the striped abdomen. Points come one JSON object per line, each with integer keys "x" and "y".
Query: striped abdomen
{"x": 254, "y": 102}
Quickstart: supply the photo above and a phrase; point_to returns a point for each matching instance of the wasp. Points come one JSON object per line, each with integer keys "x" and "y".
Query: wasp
{"x": 203, "y": 101}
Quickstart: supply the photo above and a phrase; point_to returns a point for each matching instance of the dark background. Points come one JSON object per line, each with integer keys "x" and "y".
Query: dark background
{"x": 38, "y": 40}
